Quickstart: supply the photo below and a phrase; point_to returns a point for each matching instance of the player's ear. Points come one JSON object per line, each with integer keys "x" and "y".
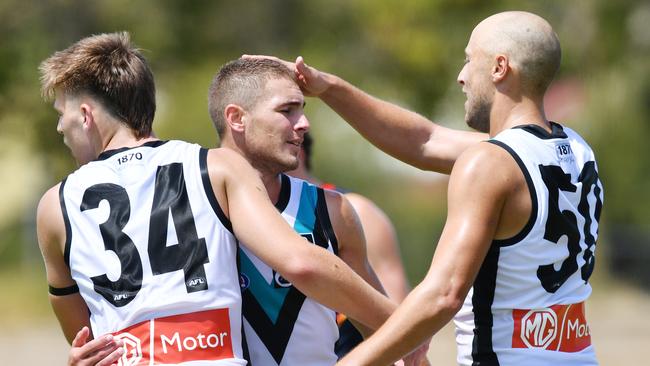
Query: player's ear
{"x": 501, "y": 68}
{"x": 235, "y": 116}
{"x": 86, "y": 112}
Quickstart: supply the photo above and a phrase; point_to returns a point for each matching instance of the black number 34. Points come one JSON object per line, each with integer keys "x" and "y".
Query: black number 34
{"x": 189, "y": 254}
{"x": 564, "y": 223}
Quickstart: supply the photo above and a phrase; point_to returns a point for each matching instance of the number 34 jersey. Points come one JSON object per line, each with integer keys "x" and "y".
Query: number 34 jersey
{"x": 526, "y": 306}
{"x": 154, "y": 256}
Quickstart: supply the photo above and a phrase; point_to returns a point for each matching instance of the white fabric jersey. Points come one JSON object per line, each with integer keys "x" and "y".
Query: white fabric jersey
{"x": 154, "y": 256}
{"x": 281, "y": 325}
{"x": 526, "y": 306}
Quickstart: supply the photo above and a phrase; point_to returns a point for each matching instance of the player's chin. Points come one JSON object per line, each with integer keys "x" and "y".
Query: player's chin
{"x": 291, "y": 162}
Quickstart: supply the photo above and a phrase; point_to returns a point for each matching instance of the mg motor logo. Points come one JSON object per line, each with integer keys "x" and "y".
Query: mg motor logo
{"x": 557, "y": 328}
{"x": 132, "y": 349}
{"x": 539, "y": 328}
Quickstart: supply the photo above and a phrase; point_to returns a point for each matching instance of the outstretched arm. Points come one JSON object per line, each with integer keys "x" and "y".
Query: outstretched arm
{"x": 473, "y": 216}
{"x": 313, "y": 270}
{"x": 399, "y": 132}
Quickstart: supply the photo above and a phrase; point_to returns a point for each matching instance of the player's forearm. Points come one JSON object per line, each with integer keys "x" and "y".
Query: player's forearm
{"x": 72, "y": 313}
{"x": 368, "y": 274}
{"x": 395, "y": 130}
{"x": 419, "y": 316}
{"x": 332, "y": 283}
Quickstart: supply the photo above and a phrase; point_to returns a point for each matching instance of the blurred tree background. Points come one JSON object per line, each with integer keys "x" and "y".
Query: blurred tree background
{"x": 408, "y": 52}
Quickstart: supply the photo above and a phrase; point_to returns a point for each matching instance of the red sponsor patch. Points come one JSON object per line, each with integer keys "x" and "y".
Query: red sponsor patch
{"x": 557, "y": 328}
{"x": 196, "y": 336}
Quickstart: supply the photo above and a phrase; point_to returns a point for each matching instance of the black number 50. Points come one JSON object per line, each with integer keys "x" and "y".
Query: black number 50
{"x": 564, "y": 223}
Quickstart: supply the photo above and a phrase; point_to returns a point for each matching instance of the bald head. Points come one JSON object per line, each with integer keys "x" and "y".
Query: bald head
{"x": 529, "y": 42}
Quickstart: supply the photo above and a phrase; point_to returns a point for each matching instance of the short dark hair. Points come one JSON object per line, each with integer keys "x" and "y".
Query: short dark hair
{"x": 109, "y": 68}
{"x": 241, "y": 82}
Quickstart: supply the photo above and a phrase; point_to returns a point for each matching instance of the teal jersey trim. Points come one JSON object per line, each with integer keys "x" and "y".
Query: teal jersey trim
{"x": 269, "y": 297}
{"x": 306, "y": 216}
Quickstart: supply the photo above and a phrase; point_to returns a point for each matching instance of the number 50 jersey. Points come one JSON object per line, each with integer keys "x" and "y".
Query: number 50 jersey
{"x": 526, "y": 306}
{"x": 154, "y": 256}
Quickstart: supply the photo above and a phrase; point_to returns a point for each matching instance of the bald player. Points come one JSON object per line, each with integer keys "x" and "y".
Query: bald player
{"x": 513, "y": 262}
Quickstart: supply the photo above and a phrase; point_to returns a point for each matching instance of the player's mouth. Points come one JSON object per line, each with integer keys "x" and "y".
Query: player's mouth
{"x": 297, "y": 143}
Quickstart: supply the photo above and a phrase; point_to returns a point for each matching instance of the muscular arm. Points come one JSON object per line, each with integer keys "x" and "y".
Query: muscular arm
{"x": 70, "y": 310}
{"x": 479, "y": 185}
{"x": 399, "y": 132}
{"x": 382, "y": 246}
{"x": 316, "y": 272}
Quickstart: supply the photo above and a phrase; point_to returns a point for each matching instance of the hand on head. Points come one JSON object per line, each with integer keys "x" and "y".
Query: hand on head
{"x": 312, "y": 82}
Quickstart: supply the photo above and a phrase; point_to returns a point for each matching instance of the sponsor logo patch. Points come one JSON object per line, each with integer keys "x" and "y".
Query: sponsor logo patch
{"x": 204, "y": 335}
{"x": 557, "y": 328}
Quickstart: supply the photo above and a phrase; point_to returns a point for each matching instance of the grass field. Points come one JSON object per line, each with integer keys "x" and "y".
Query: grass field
{"x": 617, "y": 316}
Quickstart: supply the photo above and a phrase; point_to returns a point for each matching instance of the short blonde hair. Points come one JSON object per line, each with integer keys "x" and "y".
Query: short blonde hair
{"x": 111, "y": 69}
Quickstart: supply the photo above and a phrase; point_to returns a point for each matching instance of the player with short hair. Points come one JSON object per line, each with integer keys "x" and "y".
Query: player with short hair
{"x": 516, "y": 253}
{"x": 257, "y": 109}
{"x": 140, "y": 242}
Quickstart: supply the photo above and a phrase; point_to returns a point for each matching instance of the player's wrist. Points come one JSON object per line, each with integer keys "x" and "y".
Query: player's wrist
{"x": 333, "y": 87}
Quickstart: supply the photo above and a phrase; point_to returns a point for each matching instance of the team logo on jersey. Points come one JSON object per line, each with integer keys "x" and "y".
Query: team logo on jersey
{"x": 132, "y": 349}
{"x": 280, "y": 281}
{"x": 557, "y": 328}
{"x": 199, "y": 336}
{"x": 244, "y": 281}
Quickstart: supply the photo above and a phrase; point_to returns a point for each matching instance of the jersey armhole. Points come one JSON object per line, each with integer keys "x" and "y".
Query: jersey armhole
{"x": 324, "y": 217}
{"x": 66, "y": 222}
{"x": 209, "y": 193}
{"x": 533, "y": 196}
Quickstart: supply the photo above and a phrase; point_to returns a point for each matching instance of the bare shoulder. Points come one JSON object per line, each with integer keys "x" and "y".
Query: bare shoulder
{"x": 221, "y": 160}
{"x": 360, "y": 203}
{"x": 337, "y": 204}
{"x": 485, "y": 164}
{"x": 344, "y": 218}
{"x": 49, "y": 218}
{"x": 226, "y": 165}
{"x": 367, "y": 209}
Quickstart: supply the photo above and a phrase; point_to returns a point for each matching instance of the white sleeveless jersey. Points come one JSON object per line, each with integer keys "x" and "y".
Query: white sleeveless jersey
{"x": 154, "y": 256}
{"x": 281, "y": 325}
{"x": 526, "y": 306}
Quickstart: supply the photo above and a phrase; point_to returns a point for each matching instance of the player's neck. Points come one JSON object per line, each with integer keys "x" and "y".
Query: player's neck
{"x": 273, "y": 185}
{"x": 301, "y": 172}
{"x": 123, "y": 137}
{"x": 511, "y": 114}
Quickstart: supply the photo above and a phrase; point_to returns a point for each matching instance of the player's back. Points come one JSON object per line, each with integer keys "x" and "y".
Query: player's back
{"x": 527, "y": 303}
{"x": 153, "y": 254}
